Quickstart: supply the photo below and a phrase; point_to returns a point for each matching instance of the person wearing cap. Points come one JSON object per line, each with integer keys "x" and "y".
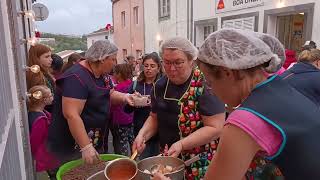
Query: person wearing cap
{"x": 308, "y": 45}
{"x": 187, "y": 118}
{"x": 82, "y": 105}
{"x": 270, "y": 118}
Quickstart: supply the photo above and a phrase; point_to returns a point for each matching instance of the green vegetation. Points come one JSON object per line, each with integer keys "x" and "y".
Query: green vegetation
{"x": 65, "y": 42}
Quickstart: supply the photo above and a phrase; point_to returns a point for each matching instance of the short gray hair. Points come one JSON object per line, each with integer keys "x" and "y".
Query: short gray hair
{"x": 100, "y": 50}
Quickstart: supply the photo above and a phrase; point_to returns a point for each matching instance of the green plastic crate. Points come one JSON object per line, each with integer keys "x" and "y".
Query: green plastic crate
{"x": 72, "y": 164}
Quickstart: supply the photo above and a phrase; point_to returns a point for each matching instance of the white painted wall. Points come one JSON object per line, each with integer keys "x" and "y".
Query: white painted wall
{"x": 99, "y": 36}
{"x": 206, "y": 9}
{"x": 176, "y": 25}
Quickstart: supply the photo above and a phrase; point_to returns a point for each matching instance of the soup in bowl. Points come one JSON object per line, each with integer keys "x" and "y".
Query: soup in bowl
{"x": 121, "y": 169}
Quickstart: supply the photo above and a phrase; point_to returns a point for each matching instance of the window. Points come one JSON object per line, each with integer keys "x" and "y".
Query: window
{"x": 164, "y": 8}
{"x": 136, "y": 14}
{"x": 242, "y": 23}
{"x": 206, "y": 31}
{"x": 123, "y": 19}
{"x": 138, "y": 53}
{"x": 106, "y": 37}
{"x": 124, "y": 53}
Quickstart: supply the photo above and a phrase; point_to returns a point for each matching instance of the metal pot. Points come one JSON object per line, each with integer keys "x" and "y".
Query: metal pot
{"x": 165, "y": 160}
{"x": 125, "y": 167}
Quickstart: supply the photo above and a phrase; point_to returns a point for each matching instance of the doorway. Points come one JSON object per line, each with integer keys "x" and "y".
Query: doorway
{"x": 291, "y": 30}
{"x": 292, "y": 25}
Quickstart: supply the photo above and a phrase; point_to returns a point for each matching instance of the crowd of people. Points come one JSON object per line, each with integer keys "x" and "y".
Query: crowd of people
{"x": 248, "y": 107}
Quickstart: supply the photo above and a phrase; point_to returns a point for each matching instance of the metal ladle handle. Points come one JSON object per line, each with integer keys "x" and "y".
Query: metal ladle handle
{"x": 187, "y": 163}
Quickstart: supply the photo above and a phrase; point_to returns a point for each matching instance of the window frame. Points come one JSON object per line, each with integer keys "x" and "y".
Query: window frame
{"x": 136, "y": 15}
{"x": 123, "y": 19}
{"x": 206, "y": 31}
{"x": 138, "y": 53}
{"x": 164, "y": 9}
{"x": 124, "y": 53}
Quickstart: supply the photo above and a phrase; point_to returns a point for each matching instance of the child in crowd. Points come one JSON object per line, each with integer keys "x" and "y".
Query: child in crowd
{"x": 39, "y": 121}
{"x": 40, "y": 54}
{"x": 122, "y": 122}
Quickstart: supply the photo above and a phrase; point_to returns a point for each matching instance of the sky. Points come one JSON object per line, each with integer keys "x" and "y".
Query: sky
{"x": 75, "y": 17}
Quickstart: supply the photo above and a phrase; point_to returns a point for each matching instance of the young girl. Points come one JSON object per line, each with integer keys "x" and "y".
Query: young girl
{"x": 40, "y": 55}
{"x": 39, "y": 121}
{"x": 122, "y": 122}
{"x": 143, "y": 85}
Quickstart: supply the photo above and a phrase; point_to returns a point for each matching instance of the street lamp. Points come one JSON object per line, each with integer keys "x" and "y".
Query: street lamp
{"x": 280, "y": 4}
{"x": 158, "y": 37}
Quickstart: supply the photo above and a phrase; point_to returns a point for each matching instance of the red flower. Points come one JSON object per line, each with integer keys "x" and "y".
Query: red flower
{"x": 182, "y": 118}
{"x": 182, "y": 127}
{"x": 197, "y": 150}
{"x": 197, "y": 72}
{"x": 193, "y": 83}
{"x": 192, "y": 117}
{"x": 199, "y": 84}
{"x": 186, "y": 110}
{"x": 197, "y": 116}
{"x": 253, "y": 165}
{"x": 193, "y": 125}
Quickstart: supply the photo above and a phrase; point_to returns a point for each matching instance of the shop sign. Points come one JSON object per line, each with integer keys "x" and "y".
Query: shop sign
{"x": 231, "y": 5}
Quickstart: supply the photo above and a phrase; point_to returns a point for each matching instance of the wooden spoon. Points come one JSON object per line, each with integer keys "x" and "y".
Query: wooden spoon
{"x": 134, "y": 154}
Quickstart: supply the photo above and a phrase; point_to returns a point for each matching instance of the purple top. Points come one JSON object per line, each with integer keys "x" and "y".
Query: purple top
{"x": 39, "y": 123}
{"x": 118, "y": 114}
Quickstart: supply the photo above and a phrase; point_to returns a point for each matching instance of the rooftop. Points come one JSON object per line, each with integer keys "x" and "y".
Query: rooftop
{"x": 66, "y": 53}
{"x": 100, "y": 31}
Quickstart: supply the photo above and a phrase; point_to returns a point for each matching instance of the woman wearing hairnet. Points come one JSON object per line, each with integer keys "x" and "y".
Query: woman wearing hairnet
{"x": 187, "y": 118}
{"x": 270, "y": 118}
{"x": 82, "y": 102}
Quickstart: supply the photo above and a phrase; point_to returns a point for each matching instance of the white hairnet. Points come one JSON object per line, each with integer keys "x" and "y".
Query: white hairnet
{"x": 181, "y": 44}
{"x": 275, "y": 46}
{"x": 238, "y": 49}
{"x": 100, "y": 50}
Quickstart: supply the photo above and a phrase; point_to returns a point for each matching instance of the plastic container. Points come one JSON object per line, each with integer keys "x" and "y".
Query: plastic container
{"x": 72, "y": 164}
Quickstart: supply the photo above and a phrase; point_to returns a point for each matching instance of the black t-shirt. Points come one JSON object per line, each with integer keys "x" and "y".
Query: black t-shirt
{"x": 168, "y": 110}
{"x": 79, "y": 83}
{"x": 140, "y": 114}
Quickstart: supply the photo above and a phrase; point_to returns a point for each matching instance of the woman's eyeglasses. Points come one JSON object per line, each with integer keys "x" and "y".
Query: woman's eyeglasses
{"x": 177, "y": 64}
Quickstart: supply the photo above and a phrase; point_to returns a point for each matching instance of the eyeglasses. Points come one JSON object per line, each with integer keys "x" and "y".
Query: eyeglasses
{"x": 177, "y": 64}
